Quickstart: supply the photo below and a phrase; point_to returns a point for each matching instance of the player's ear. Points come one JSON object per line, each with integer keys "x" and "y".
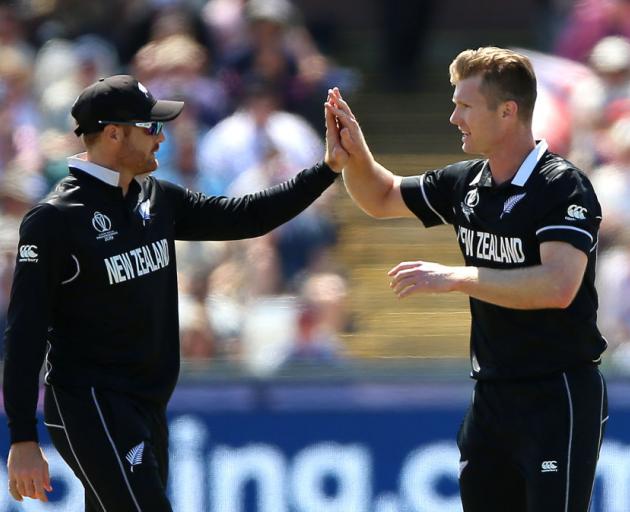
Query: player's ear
{"x": 112, "y": 133}
{"x": 509, "y": 109}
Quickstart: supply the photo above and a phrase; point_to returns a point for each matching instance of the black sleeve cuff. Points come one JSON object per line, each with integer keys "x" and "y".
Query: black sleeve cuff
{"x": 20, "y": 432}
{"x": 323, "y": 170}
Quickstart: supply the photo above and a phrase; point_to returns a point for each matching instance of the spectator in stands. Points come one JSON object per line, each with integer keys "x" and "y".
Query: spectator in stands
{"x": 19, "y": 116}
{"x": 196, "y": 335}
{"x": 593, "y": 101}
{"x": 178, "y": 154}
{"x": 321, "y": 318}
{"x": 177, "y": 66}
{"x": 613, "y": 283}
{"x": 612, "y": 185}
{"x": 227, "y": 25}
{"x": 155, "y": 20}
{"x": 589, "y": 22}
{"x": 63, "y": 69}
{"x": 245, "y": 139}
{"x": 19, "y": 190}
{"x": 13, "y": 32}
{"x": 281, "y": 51}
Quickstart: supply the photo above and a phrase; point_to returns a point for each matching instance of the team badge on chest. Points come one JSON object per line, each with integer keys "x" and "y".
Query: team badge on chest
{"x": 510, "y": 203}
{"x": 103, "y": 226}
{"x": 470, "y": 201}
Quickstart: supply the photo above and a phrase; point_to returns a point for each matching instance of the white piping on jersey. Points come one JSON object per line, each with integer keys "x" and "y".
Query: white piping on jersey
{"x": 530, "y": 162}
{"x": 98, "y": 171}
{"x": 73, "y": 452}
{"x": 602, "y": 420}
{"x": 568, "y": 470}
{"x": 478, "y": 177}
{"x": 111, "y": 441}
{"x": 47, "y": 364}
{"x": 77, "y": 272}
{"x": 426, "y": 200}
{"x": 52, "y": 425}
{"x": 579, "y": 230}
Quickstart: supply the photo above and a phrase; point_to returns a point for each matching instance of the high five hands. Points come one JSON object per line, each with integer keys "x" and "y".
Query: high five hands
{"x": 346, "y": 146}
{"x": 344, "y": 138}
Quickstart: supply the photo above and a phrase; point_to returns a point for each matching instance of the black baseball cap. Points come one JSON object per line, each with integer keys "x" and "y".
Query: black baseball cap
{"x": 119, "y": 98}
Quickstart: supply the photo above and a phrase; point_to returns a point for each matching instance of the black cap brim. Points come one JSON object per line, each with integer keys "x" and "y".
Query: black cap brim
{"x": 166, "y": 110}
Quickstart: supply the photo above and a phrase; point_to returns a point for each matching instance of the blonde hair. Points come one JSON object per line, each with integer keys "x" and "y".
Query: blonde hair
{"x": 506, "y": 76}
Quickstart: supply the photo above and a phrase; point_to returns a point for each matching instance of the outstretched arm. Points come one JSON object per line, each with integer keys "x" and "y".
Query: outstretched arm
{"x": 199, "y": 217}
{"x": 372, "y": 187}
{"x": 552, "y": 284}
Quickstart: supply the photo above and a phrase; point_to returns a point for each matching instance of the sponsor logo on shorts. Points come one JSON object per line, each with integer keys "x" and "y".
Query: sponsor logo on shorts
{"x": 134, "y": 456}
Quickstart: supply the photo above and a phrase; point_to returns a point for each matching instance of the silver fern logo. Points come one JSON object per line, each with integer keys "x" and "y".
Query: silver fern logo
{"x": 134, "y": 457}
{"x": 144, "y": 209}
{"x": 510, "y": 203}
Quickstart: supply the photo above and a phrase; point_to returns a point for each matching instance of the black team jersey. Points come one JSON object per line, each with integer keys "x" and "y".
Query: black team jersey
{"x": 502, "y": 227}
{"x": 95, "y": 285}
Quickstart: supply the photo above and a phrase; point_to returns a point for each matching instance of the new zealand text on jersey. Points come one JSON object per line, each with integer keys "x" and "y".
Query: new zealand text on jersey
{"x": 137, "y": 262}
{"x": 487, "y": 246}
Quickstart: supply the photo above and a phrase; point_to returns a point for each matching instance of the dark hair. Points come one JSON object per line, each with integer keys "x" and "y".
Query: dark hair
{"x": 506, "y": 76}
{"x": 89, "y": 139}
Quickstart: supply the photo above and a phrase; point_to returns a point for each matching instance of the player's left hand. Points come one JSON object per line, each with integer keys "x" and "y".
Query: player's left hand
{"x": 28, "y": 472}
{"x": 421, "y": 277}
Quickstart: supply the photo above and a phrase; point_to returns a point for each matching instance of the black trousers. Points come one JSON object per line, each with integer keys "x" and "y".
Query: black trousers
{"x": 532, "y": 446}
{"x": 117, "y": 447}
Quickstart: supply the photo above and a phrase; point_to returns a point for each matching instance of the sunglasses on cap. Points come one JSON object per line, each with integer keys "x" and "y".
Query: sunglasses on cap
{"x": 152, "y": 128}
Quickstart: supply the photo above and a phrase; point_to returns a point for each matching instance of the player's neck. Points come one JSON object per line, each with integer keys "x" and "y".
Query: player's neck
{"x": 107, "y": 161}
{"x": 510, "y": 154}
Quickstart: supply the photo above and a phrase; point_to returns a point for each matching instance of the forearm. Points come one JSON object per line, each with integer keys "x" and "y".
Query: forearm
{"x": 21, "y": 390}
{"x": 276, "y": 205}
{"x": 534, "y": 287}
{"x": 368, "y": 183}
{"x": 252, "y": 215}
{"x": 25, "y": 348}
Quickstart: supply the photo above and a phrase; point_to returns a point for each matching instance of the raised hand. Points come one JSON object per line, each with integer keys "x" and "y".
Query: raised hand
{"x": 350, "y": 134}
{"x": 336, "y": 156}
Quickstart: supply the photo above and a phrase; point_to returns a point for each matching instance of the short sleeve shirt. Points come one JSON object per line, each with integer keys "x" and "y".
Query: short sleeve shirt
{"x": 502, "y": 227}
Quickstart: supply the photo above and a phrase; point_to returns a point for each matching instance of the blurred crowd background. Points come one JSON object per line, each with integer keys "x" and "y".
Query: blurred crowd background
{"x": 254, "y": 75}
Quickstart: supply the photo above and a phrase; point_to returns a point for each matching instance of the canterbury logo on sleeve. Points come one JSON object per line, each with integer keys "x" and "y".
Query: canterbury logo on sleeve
{"x": 28, "y": 253}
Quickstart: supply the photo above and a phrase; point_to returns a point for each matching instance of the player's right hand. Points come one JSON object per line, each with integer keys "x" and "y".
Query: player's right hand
{"x": 350, "y": 133}
{"x": 28, "y": 472}
{"x": 336, "y": 156}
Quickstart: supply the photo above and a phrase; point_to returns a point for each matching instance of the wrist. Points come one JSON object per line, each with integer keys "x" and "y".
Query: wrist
{"x": 333, "y": 165}
{"x": 462, "y": 278}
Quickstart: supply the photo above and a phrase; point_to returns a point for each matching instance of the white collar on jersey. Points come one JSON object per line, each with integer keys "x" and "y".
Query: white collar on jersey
{"x": 527, "y": 167}
{"x": 102, "y": 173}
